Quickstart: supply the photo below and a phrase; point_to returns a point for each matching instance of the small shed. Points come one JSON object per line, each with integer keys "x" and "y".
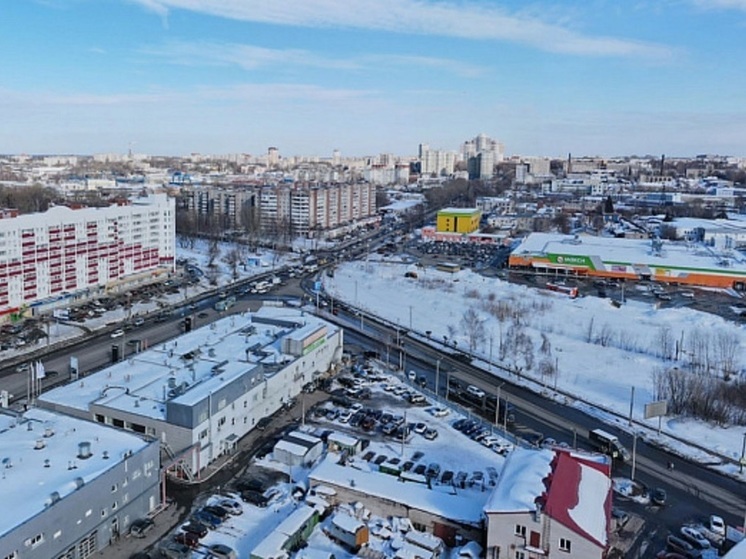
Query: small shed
{"x": 297, "y": 448}
{"x": 340, "y": 442}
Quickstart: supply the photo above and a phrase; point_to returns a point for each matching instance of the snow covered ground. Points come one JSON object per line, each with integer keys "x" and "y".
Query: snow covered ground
{"x": 588, "y": 372}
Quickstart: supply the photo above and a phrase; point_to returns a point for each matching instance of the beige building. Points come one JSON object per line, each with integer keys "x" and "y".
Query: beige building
{"x": 550, "y": 503}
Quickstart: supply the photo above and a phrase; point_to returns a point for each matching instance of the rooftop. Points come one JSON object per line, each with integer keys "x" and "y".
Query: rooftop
{"x": 187, "y": 369}
{"x": 42, "y": 460}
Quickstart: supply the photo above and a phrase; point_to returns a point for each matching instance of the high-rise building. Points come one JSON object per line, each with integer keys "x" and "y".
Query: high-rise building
{"x": 48, "y": 257}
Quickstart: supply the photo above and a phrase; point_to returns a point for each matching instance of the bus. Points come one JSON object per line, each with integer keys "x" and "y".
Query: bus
{"x": 572, "y": 292}
{"x": 608, "y": 444}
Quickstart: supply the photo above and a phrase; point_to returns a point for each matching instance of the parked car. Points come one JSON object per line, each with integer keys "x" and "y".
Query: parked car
{"x": 189, "y": 539}
{"x": 207, "y": 519}
{"x": 140, "y": 527}
{"x": 679, "y": 545}
{"x": 694, "y": 537}
{"x": 222, "y": 551}
{"x": 196, "y": 528}
{"x": 439, "y": 411}
{"x": 254, "y": 498}
{"x": 430, "y": 434}
{"x": 218, "y": 511}
{"x": 231, "y": 505}
{"x": 717, "y": 525}
{"x": 420, "y": 428}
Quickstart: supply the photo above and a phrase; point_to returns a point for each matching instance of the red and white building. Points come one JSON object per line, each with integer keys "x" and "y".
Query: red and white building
{"x": 550, "y": 503}
{"x": 65, "y": 252}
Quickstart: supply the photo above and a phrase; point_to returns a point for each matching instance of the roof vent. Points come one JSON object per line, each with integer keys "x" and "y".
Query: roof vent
{"x": 29, "y": 426}
{"x": 54, "y": 497}
{"x": 84, "y": 450}
{"x": 105, "y": 455}
{"x": 48, "y": 432}
{"x": 39, "y": 444}
{"x": 46, "y": 462}
{"x": 79, "y": 482}
{"x": 211, "y": 352}
{"x": 172, "y": 382}
{"x": 7, "y": 462}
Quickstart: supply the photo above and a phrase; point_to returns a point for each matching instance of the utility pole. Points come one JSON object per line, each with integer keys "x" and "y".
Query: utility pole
{"x": 743, "y": 455}
{"x": 437, "y": 377}
{"x": 497, "y": 405}
{"x": 631, "y": 404}
{"x": 634, "y": 455}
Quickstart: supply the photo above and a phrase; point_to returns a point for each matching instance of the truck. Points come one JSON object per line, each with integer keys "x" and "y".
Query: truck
{"x": 225, "y": 304}
{"x": 348, "y": 531}
{"x": 608, "y": 444}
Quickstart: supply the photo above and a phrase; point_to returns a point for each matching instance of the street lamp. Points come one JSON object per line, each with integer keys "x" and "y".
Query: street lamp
{"x": 497, "y": 405}
{"x": 743, "y": 452}
{"x": 437, "y": 376}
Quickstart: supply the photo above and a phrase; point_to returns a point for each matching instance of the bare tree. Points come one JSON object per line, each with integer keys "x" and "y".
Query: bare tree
{"x": 665, "y": 342}
{"x": 233, "y": 258}
{"x": 213, "y": 252}
{"x": 473, "y": 327}
{"x": 728, "y": 346}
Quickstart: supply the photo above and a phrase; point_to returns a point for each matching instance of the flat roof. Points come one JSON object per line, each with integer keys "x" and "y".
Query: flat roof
{"x": 465, "y": 508}
{"x": 185, "y": 370}
{"x": 611, "y": 250}
{"x": 40, "y": 464}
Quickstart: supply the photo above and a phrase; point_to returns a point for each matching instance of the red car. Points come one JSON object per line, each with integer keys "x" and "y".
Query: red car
{"x": 188, "y": 539}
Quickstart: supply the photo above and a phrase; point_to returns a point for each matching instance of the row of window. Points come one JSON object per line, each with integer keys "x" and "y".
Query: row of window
{"x": 535, "y": 541}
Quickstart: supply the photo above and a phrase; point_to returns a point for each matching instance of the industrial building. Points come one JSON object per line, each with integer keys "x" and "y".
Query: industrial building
{"x": 682, "y": 263}
{"x": 200, "y": 393}
{"x": 48, "y": 258}
{"x": 70, "y": 486}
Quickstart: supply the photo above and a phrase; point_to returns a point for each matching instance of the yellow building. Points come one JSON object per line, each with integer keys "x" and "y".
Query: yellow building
{"x": 458, "y": 220}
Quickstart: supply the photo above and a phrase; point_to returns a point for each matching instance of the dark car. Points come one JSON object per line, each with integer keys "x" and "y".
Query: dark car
{"x": 447, "y": 477}
{"x": 207, "y": 518}
{"x": 140, "y": 527}
{"x": 249, "y": 484}
{"x": 678, "y": 545}
{"x": 263, "y": 423}
{"x": 189, "y": 539}
{"x": 420, "y": 469}
{"x": 658, "y": 497}
{"x": 196, "y": 528}
{"x": 254, "y": 498}
{"x": 218, "y": 511}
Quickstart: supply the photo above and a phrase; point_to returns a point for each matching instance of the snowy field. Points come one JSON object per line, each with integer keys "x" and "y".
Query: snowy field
{"x": 625, "y": 350}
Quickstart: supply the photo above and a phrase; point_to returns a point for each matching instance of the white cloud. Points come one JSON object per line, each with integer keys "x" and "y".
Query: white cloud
{"x": 469, "y": 20}
{"x": 250, "y": 57}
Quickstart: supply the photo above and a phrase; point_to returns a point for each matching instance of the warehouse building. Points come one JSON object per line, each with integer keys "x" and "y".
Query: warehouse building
{"x": 70, "y": 486}
{"x": 200, "y": 393}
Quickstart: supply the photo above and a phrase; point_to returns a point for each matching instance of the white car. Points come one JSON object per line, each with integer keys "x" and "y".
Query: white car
{"x": 717, "y": 525}
{"x": 117, "y": 333}
{"x": 474, "y": 391}
{"x": 695, "y": 537}
{"x": 411, "y": 375}
{"x": 439, "y": 411}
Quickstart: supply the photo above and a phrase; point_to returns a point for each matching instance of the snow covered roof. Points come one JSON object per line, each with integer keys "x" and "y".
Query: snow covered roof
{"x": 186, "y": 370}
{"x": 521, "y": 481}
{"x": 579, "y": 496}
{"x": 616, "y": 251}
{"x": 39, "y": 451}
{"x": 571, "y": 488}
{"x": 465, "y": 508}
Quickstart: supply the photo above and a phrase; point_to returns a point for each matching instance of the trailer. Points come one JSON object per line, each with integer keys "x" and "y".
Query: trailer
{"x": 348, "y": 531}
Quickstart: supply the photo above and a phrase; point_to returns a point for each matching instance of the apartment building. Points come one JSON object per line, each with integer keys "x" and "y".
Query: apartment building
{"x": 226, "y": 205}
{"x": 66, "y": 252}
{"x": 307, "y": 208}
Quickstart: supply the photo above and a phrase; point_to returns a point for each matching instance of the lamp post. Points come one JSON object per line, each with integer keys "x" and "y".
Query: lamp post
{"x": 743, "y": 455}
{"x": 437, "y": 377}
{"x": 497, "y": 405}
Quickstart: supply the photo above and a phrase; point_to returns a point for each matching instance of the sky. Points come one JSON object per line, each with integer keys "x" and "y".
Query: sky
{"x": 545, "y": 77}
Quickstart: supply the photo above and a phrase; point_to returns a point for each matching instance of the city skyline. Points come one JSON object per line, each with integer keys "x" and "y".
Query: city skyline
{"x": 173, "y": 77}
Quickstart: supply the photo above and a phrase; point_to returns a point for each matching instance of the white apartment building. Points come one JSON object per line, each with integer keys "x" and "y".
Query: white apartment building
{"x": 436, "y": 162}
{"x": 65, "y": 252}
{"x": 316, "y": 208}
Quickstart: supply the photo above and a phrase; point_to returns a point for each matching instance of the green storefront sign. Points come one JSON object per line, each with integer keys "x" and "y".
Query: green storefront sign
{"x": 571, "y": 260}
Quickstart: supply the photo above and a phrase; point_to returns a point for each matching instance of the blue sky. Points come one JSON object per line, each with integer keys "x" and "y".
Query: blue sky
{"x": 591, "y": 77}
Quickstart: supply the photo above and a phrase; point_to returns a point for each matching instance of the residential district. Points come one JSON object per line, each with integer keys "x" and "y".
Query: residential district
{"x": 190, "y": 367}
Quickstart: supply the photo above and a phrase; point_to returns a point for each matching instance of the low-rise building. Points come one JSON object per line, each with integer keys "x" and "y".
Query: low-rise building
{"x": 200, "y": 393}
{"x": 70, "y": 486}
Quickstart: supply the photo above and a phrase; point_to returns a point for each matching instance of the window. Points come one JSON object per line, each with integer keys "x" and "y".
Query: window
{"x": 36, "y": 540}
{"x": 12, "y": 555}
{"x": 520, "y": 555}
{"x": 114, "y": 488}
{"x": 565, "y": 545}
{"x": 520, "y": 530}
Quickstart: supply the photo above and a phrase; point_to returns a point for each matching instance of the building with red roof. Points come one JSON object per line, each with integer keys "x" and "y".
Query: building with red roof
{"x": 550, "y": 503}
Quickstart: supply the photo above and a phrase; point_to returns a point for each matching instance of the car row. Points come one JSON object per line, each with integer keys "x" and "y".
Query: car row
{"x": 476, "y": 431}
